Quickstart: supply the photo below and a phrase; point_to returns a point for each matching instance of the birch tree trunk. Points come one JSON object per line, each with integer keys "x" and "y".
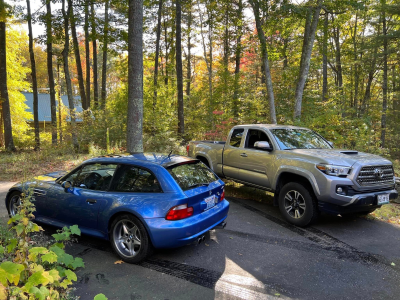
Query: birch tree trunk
{"x": 309, "y": 36}
{"x": 264, "y": 52}
{"x": 135, "y": 77}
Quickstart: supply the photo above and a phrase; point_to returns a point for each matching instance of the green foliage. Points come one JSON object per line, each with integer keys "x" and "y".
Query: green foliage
{"x": 35, "y": 272}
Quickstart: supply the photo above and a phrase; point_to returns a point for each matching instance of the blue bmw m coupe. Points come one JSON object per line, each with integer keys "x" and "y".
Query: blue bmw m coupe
{"x": 138, "y": 202}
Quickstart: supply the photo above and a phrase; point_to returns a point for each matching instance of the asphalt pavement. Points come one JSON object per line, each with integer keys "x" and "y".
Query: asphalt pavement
{"x": 257, "y": 256}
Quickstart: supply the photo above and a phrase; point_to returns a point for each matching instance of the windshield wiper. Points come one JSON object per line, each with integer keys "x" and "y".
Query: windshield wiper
{"x": 198, "y": 185}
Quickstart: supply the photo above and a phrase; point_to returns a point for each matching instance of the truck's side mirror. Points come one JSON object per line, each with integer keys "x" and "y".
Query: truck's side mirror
{"x": 263, "y": 146}
{"x": 67, "y": 186}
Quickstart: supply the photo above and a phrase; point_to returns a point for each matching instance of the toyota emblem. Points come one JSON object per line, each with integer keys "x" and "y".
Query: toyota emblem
{"x": 378, "y": 173}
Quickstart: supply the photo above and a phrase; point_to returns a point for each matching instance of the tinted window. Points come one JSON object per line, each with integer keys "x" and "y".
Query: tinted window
{"x": 236, "y": 137}
{"x": 256, "y": 136}
{"x": 135, "y": 180}
{"x": 299, "y": 139}
{"x": 93, "y": 177}
{"x": 189, "y": 176}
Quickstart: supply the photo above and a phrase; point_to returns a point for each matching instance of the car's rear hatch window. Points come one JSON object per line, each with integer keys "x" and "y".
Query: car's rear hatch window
{"x": 192, "y": 175}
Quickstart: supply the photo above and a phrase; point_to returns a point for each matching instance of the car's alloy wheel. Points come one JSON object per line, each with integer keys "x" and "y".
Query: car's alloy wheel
{"x": 14, "y": 204}
{"x": 298, "y": 204}
{"x": 295, "y": 205}
{"x": 129, "y": 239}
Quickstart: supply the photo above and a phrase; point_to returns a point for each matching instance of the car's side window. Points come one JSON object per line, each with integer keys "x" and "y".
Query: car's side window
{"x": 135, "y": 180}
{"x": 236, "y": 137}
{"x": 254, "y": 135}
{"x": 93, "y": 176}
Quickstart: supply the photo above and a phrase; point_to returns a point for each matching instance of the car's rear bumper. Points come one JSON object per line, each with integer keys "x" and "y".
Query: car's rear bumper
{"x": 172, "y": 234}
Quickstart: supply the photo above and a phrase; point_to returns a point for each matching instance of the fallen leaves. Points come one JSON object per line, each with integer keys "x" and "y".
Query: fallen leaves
{"x": 118, "y": 262}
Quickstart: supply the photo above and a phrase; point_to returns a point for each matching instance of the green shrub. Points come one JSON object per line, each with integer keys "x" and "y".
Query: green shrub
{"x": 35, "y": 272}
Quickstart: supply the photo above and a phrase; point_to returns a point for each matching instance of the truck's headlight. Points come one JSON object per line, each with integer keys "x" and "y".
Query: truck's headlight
{"x": 334, "y": 170}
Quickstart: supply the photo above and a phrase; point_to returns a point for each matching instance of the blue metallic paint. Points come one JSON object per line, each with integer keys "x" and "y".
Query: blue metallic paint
{"x": 60, "y": 208}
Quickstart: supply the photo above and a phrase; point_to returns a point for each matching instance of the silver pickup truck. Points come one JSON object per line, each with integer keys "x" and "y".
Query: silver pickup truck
{"x": 303, "y": 170}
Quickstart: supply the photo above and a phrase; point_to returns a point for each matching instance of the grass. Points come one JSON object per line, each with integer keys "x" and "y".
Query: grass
{"x": 25, "y": 164}
{"x": 389, "y": 213}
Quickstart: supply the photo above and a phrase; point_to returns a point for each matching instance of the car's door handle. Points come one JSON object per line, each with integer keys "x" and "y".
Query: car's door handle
{"x": 243, "y": 155}
{"x": 91, "y": 201}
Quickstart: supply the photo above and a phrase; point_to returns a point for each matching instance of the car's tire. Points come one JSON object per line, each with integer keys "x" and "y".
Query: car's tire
{"x": 129, "y": 239}
{"x": 14, "y": 200}
{"x": 297, "y": 204}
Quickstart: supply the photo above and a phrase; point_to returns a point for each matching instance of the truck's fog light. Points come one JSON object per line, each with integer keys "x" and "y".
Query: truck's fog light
{"x": 339, "y": 190}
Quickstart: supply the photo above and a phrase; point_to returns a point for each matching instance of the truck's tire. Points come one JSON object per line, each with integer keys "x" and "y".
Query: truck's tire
{"x": 297, "y": 205}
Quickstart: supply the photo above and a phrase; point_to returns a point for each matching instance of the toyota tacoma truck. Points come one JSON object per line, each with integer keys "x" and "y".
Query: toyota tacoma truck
{"x": 303, "y": 170}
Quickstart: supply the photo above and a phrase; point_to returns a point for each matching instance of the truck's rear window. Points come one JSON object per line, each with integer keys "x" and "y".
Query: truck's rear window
{"x": 192, "y": 175}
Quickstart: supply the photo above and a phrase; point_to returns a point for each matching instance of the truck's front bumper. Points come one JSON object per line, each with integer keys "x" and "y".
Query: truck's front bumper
{"x": 362, "y": 202}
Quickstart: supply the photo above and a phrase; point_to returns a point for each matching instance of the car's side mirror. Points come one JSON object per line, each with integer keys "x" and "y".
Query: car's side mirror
{"x": 67, "y": 186}
{"x": 263, "y": 146}
{"x": 330, "y": 143}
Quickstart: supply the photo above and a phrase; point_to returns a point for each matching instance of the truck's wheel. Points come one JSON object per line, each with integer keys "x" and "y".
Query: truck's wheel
{"x": 297, "y": 204}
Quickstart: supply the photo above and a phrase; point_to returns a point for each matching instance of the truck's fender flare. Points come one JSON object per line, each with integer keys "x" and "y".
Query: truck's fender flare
{"x": 206, "y": 157}
{"x": 297, "y": 171}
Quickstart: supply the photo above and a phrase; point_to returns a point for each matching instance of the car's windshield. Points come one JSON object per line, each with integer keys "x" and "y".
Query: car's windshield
{"x": 193, "y": 175}
{"x": 299, "y": 139}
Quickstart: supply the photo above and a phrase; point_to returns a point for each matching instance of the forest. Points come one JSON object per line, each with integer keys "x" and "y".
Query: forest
{"x": 152, "y": 75}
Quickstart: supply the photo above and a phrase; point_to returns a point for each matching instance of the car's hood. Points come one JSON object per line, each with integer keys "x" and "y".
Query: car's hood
{"x": 343, "y": 157}
{"x": 51, "y": 177}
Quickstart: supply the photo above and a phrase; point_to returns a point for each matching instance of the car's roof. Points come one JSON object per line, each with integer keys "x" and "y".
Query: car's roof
{"x": 272, "y": 126}
{"x": 144, "y": 159}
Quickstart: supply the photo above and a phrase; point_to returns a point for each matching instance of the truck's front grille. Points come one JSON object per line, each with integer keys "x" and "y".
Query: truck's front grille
{"x": 376, "y": 175}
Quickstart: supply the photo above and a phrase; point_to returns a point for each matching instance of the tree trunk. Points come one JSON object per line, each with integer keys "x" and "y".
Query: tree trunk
{"x": 189, "y": 55}
{"x": 53, "y": 107}
{"x": 105, "y": 49}
{"x": 87, "y": 53}
{"x": 238, "y": 55}
{"x": 356, "y": 75}
{"x": 309, "y": 36}
{"x": 325, "y": 59}
{"x": 5, "y": 103}
{"x": 77, "y": 58}
{"x": 208, "y": 64}
{"x": 34, "y": 79}
{"x": 338, "y": 58}
{"x": 264, "y": 52}
{"x": 160, "y": 3}
{"x": 385, "y": 77}
{"x": 65, "y": 52}
{"x": 179, "y": 72}
{"x": 135, "y": 77}
{"x": 94, "y": 43}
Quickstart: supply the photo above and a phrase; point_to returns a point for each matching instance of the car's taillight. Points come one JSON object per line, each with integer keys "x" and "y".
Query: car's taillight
{"x": 187, "y": 150}
{"x": 179, "y": 212}
{"x": 222, "y": 196}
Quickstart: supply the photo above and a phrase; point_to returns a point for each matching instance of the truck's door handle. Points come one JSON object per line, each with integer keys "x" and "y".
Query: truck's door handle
{"x": 243, "y": 155}
{"x": 91, "y": 201}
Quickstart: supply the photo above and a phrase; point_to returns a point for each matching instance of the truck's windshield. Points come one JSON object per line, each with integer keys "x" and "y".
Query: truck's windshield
{"x": 299, "y": 139}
